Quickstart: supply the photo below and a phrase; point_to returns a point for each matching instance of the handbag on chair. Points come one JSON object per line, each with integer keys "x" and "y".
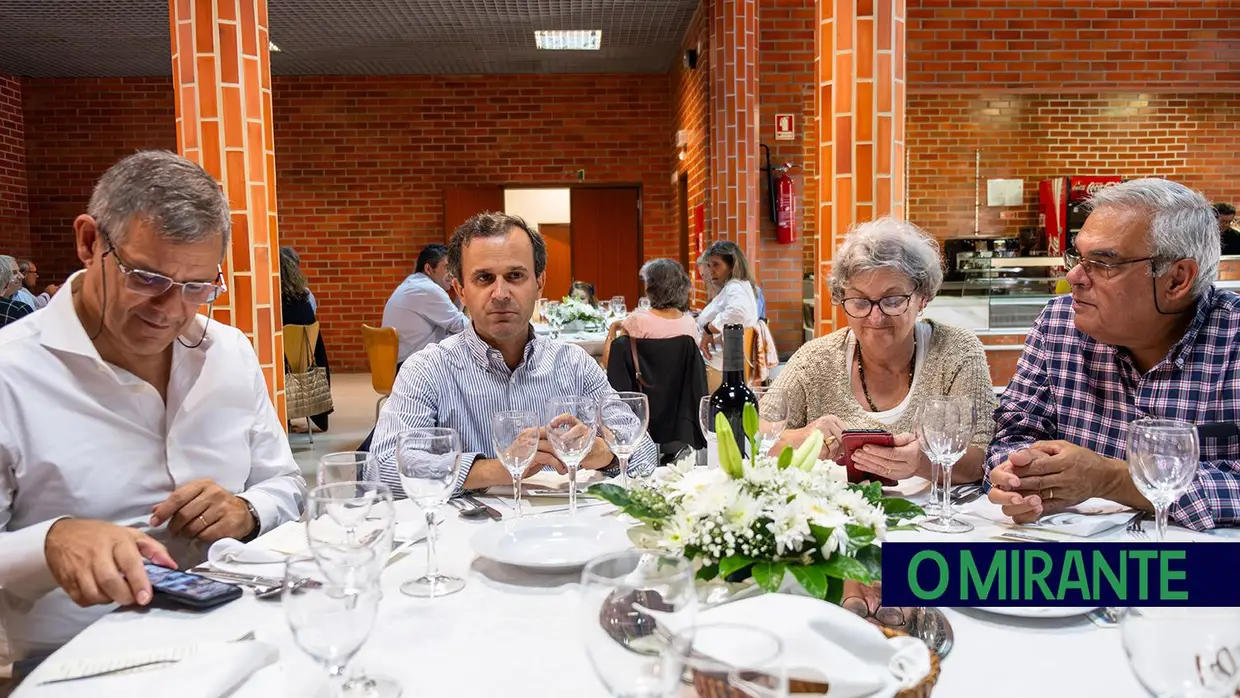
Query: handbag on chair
{"x": 307, "y": 393}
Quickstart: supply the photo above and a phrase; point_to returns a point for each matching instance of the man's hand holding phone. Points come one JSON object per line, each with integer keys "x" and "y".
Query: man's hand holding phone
{"x": 97, "y": 562}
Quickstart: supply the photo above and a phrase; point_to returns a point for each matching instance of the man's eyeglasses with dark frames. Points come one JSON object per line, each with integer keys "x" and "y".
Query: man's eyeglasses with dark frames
{"x": 1072, "y": 257}
{"x": 148, "y": 283}
{"x": 891, "y": 306}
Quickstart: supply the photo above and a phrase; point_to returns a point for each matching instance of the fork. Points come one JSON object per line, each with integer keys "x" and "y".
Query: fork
{"x": 1135, "y": 527}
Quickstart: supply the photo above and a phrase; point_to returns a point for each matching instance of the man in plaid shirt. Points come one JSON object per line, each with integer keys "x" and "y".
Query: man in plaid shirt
{"x": 1144, "y": 334}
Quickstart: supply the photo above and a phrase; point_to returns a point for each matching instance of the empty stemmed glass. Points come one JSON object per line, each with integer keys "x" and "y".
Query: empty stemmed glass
{"x": 1184, "y": 652}
{"x": 643, "y": 303}
{"x": 551, "y": 314}
{"x": 944, "y": 430}
{"x": 571, "y": 423}
{"x": 706, "y": 420}
{"x": 772, "y": 417}
{"x": 354, "y": 513}
{"x": 1162, "y": 458}
{"x": 618, "y": 308}
{"x": 514, "y": 434}
{"x": 345, "y": 466}
{"x": 429, "y": 461}
{"x": 623, "y": 418}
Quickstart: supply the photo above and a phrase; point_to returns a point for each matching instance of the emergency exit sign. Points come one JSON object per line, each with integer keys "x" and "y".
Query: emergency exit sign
{"x": 785, "y": 127}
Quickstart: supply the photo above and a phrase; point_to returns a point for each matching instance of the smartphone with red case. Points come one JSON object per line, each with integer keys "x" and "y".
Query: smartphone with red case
{"x": 854, "y": 439}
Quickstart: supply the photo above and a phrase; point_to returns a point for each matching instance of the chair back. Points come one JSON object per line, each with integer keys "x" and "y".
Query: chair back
{"x": 382, "y": 349}
{"x": 299, "y": 343}
{"x": 751, "y": 353}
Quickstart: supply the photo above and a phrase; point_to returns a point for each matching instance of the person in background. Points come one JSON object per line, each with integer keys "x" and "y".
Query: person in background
{"x": 876, "y": 372}
{"x": 583, "y": 291}
{"x": 155, "y": 434}
{"x": 728, "y": 271}
{"x": 420, "y": 308}
{"x": 296, "y": 310}
{"x": 292, "y": 253}
{"x": 1229, "y": 237}
{"x": 29, "y": 293}
{"x": 498, "y": 263}
{"x": 667, "y": 287}
{"x": 1145, "y": 333}
{"x": 11, "y": 309}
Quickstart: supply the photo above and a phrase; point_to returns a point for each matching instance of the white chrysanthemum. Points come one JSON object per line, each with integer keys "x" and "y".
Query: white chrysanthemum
{"x": 677, "y": 532}
{"x": 743, "y": 511}
{"x": 836, "y": 543}
{"x": 708, "y": 499}
{"x": 826, "y": 513}
{"x": 789, "y": 526}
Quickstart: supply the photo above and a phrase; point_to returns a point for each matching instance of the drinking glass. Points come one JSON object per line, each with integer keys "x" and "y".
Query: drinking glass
{"x": 706, "y": 420}
{"x": 944, "y": 429}
{"x": 772, "y": 417}
{"x": 1162, "y": 457}
{"x": 1184, "y": 652}
{"x": 623, "y": 597}
{"x": 623, "y": 418}
{"x": 330, "y": 621}
{"x": 618, "y": 308}
{"x": 354, "y": 513}
{"x": 551, "y": 314}
{"x": 514, "y": 435}
{"x": 429, "y": 461}
{"x": 729, "y": 658}
{"x": 643, "y": 303}
{"x": 571, "y": 423}
{"x": 345, "y": 466}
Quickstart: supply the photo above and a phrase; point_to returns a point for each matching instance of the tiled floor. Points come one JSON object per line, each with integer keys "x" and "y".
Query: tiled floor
{"x": 353, "y": 419}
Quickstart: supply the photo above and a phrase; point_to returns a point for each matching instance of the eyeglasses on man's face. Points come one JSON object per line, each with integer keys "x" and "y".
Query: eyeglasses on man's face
{"x": 1096, "y": 268}
{"x": 891, "y": 306}
{"x": 148, "y": 283}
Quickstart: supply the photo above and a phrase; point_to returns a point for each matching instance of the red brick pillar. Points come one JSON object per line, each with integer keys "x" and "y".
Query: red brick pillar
{"x": 734, "y": 164}
{"x": 221, "y": 70}
{"x": 859, "y": 110}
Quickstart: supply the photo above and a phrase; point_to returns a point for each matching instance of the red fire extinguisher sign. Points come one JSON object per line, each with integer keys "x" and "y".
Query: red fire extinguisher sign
{"x": 785, "y": 209}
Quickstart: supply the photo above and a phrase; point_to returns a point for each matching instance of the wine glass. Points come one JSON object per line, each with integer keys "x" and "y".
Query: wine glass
{"x": 772, "y": 417}
{"x": 618, "y": 308}
{"x": 706, "y": 420}
{"x": 1162, "y": 456}
{"x": 345, "y": 466}
{"x": 330, "y": 621}
{"x": 336, "y": 513}
{"x": 643, "y": 303}
{"x": 944, "y": 430}
{"x": 624, "y": 596}
{"x": 623, "y": 418}
{"x": 571, "y": 425}
{"x": 429, "y": 461}
{"x": 551, "y": 313}
{"x": 515, "y": 437}
{"x": 1184, "y": 652}
{"x": 730, "y": 658}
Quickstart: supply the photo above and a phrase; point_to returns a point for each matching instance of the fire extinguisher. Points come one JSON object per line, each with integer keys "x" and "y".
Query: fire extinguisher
{"x": 785, "y": 207}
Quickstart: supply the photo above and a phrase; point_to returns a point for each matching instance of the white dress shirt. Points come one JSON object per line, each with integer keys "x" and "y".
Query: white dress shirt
{"x": 35, "y": 302}
{"x": 735, "y": 304}
{"x": 83, "y": 438}
{"x": 422, "y": 314}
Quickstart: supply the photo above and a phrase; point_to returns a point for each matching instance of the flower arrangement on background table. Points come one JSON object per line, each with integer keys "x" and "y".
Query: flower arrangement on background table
{"x": 573, "y": 314}
{"x": 765, "y": 518}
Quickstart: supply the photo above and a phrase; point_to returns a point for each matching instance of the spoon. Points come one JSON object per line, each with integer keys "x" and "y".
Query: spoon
{"x": 466, "y": 511}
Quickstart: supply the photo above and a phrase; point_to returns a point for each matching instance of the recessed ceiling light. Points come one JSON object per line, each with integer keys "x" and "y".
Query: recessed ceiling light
{"x": 271, "y": 46}
{"x": 569, "y": 40}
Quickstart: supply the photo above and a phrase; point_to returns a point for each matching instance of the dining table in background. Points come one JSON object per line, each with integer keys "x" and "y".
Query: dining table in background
{"x": 592, "y": 342}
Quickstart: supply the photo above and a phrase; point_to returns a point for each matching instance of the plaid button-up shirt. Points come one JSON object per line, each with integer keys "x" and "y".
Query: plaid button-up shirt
{"x": 12, "y": 311}
{"x": 1071, "y": 387}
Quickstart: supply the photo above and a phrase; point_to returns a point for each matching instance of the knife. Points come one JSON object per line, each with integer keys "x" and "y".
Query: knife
{"x": 233, "y": 578}
{"x": 491, "y": 511}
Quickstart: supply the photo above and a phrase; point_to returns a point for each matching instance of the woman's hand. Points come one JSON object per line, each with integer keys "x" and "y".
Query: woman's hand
{"x": 705, "y": 343}
{"x": 898, "y": 462}
{"x": 830, "y": 426}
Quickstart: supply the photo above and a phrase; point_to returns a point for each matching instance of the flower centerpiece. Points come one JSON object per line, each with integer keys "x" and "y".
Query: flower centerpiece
{"x": 766, "y": 518}
{"x": 573, "y": 315}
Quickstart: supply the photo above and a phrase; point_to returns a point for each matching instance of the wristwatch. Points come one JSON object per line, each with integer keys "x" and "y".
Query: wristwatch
{"x": 258, "y": 523}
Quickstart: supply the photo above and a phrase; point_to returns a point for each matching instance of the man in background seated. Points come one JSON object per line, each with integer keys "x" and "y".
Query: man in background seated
{"x": 11, "y": 309}
{"x": 1144, "y": 334}
{"x": 132, "y": 427}
{"x": 29, "y": 293}
{"x": 497, "y": 363}
{"x": 420, "y": 308}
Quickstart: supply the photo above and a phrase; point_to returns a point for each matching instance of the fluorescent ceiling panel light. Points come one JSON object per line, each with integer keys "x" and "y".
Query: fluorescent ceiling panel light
{"x": 569, "y": 40}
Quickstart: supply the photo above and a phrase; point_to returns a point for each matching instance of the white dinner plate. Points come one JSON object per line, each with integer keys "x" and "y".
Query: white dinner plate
{"x": 553, "y": 543}
{"x": 1039, "y": 611}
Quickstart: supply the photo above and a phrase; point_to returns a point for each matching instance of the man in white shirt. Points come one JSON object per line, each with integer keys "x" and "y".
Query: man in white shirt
{"x": 132, "y": 426}
{"x": 29, "y": 293}
{"x": 420, "y": 308}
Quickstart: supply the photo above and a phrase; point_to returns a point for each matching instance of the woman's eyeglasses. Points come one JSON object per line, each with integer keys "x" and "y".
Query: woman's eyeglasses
{"x": 890, "y": 306}
{"x": 148, "y": 283}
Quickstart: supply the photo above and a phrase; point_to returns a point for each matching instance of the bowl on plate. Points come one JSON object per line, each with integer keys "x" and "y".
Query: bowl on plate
{"x": 552, "y": 543}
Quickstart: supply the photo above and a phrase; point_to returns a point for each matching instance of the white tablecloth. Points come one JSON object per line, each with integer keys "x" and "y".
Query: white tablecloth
{"x": 513, "y": 633}
{"x": 592, "y": 342}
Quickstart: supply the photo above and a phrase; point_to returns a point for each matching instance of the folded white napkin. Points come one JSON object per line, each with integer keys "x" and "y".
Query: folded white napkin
{"x": 1089, "y": 518}
{"x": 209, "y": 671}
{"x": 823, "y": 643}
{"x": 550, "y": 483}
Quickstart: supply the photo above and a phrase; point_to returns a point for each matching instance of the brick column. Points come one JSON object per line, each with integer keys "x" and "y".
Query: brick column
{"x": 734, "y": 164}
{"x": 859, "y": 111}
{"x": 221, "y": 72}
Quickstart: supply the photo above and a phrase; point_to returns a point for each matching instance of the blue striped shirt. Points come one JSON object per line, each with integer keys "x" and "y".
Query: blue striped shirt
{"x": 461, "y": 381}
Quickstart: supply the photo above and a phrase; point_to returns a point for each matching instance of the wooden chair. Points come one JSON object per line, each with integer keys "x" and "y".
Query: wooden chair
{"x": 299, "y": 343}
{"x": 382, "y": 349}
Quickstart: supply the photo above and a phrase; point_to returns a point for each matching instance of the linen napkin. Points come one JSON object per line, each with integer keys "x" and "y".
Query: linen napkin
{"x": 231, "y": 555}
{"x": 206, "y": 671}
{"x": 549, "y": 483}
{"x": 1089, "y": 518}
{"x": 823, "y": 643}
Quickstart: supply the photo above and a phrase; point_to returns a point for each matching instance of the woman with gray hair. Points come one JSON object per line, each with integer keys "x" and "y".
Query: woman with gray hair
{"x": 876, "y": 372}
{"x": 11, "y": 310}
{"x": 667, "y": 288}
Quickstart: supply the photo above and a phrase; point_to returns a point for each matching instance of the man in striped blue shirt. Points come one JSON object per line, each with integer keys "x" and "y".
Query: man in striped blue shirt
{"x": 497, "y": 363}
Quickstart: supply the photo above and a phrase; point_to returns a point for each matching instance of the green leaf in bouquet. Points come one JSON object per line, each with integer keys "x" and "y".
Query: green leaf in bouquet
{"x": 708, "y": 572}
{"x": 732, "y": 563}
{"x": 872, "y": 491}
{"x": 835, "y": 591}
{"x": 859, "y": 536}
{"x": 813, "y": 579}
{"x": 821, "y": 534}
{"x": 872, "y": 558}
{"x": 769, "y": 575}
{"x": 652, "y": 510}
{"x": 749, "y": 417}
{"x": 845, "y": 567}
{"x": 729, "y": 450}
{"x": 901, "y": 508}
{"x": 611, "y": 493}
{"x": 785, "y": 458}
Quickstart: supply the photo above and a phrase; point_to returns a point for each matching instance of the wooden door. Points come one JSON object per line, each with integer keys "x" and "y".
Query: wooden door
{"x": 607, "y": 237}
{"x": 462, "y": 203}
{"x": 559, "y": 238}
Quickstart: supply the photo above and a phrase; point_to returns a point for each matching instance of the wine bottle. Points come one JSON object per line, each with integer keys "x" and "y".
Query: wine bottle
{"x": 732, "y": 394}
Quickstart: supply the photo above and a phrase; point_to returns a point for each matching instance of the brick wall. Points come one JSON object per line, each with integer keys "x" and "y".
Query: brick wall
{"x": 1058, "y": 45}
{"x": 14, "y": 211}
{"x": 1191, "y": 138}
{"x": 690, "y": 105}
